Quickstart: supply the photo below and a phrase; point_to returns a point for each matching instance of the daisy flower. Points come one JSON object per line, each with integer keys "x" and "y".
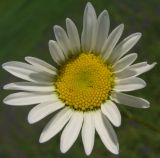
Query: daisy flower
{"x": 89, "y": 79}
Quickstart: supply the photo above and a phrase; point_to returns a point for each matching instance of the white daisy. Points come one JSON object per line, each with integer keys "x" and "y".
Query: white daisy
{"x": 89, "y": 79}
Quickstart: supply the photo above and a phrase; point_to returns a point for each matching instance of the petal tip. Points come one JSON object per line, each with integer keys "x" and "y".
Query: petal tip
{"x": 4, "y": 66}
{"x": 154, "y": 64}
{"x": 118, "y": 123}
{"x": 116, "y": 149}
{"x": 121, "y": 26}
{"x": 50, "y": 42}
{"x": 5, "y": 87}
{"x": 116, "y": 152}
{"x": 68, "y": 20}
{"x": 56, "y": 28}
{"x": 147, "y": 106}
{"x": 89, "y": 4}
{"x": 28, "y": 58}
{"x": 139, "y": 34}
{"x": 30, "y": 119}
{"x": 41, "y": 140}
{"x": 63, "y": 149}
{"x": 88, "y": 153}
{"x": 6, "y": 101}
{"x": 105, "y": 12}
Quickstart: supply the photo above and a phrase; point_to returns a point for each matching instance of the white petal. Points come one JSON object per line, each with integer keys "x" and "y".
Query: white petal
{"x": 56, "y": 52}
{"x": 71, "y": 131}
{"x": 73, "y": 35}
{"x": 89, "y": 31}
{"x": 42, "y": 110}
{"x": 106, "y": 136}
{"x": 125, "y": 74}
{"x": 27, "y": 72}
{"x": 63, "y": 40}
{"x": 29, "y": 86}
{"x": 138, "y": 65}
{"x": 129, "y": 84}
{"x": 142, "y": 67}
{"x": 129, "y": 100}
{"x": 55, "y": 125}
{"x": 20, "y": 66}
{"x": 111, "y": 41}
{"x": 28, "y": 98}
{"x": 110, "y": 110}
{"x": 102, "y": 31}
{"x": 88, "y": 132}
{"x": 124, "y": 46}
{"x": 124, "y": 62}
{"x": 110, "y": 130}
{"x": 41, "y": 65}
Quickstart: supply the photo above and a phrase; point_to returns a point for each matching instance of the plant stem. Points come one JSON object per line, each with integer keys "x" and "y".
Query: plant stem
{"x": 140, "y": 121}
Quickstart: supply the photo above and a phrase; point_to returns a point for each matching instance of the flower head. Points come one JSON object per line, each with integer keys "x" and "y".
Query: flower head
{"x": 87, "y": 82}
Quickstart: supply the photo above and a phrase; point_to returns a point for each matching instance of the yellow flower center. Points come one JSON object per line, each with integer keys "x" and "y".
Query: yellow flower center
{"x": 84, "y": 82}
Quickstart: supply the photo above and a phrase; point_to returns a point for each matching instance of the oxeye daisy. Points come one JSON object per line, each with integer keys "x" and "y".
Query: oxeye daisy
{"x": 90, "y": 77}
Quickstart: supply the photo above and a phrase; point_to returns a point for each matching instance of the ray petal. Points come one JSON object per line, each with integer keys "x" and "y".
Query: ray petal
{"x": 55, "y": 125}
{"x": 71, "y": 131}
{"x": 130, "y": 100}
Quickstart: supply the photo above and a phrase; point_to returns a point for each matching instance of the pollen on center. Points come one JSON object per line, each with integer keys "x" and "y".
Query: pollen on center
{"x": 84, "y": 82}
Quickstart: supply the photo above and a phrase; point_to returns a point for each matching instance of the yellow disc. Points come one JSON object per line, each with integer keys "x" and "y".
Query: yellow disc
{"x": 84, "y": 82}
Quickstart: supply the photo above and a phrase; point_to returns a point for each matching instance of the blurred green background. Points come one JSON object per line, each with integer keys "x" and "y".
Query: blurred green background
{"x": 26, "y": 27}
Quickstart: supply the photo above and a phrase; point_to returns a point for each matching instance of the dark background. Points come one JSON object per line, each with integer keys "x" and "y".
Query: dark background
{"x": 26, "y": 27}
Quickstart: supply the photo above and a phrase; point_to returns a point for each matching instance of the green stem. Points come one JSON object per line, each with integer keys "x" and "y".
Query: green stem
{"x": 140, "y": 121}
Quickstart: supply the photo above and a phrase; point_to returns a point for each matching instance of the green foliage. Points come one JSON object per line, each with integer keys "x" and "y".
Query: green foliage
{"x": 26, "y": 27}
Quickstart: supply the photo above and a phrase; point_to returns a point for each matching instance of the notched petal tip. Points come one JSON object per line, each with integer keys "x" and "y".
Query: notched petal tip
{"x": 89, "y": 4}
{"x": 105, "y": 12}
{"x": 89, "y": 7}
{"x": 57, "y": 28}
{"x": 68, "y": 20}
